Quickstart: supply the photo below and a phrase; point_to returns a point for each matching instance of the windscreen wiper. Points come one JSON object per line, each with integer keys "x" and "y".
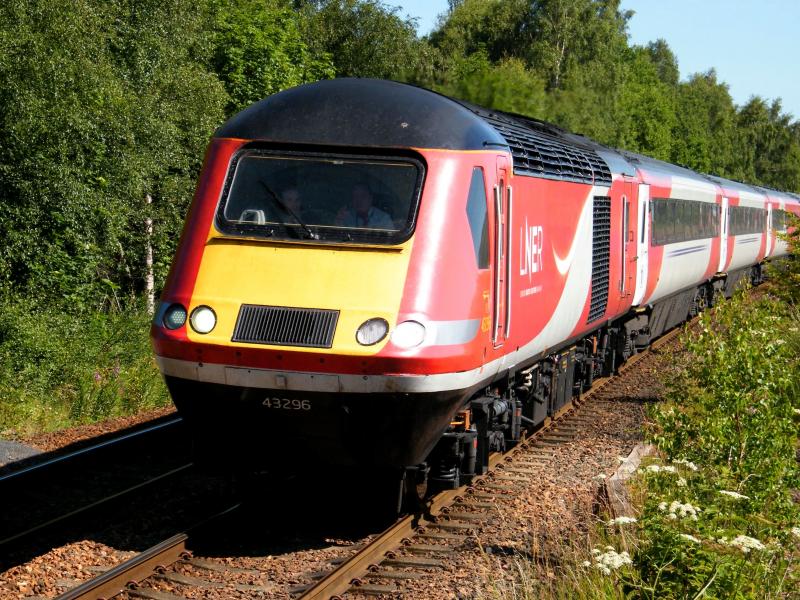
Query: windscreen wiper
{"x": 283, "y": 206}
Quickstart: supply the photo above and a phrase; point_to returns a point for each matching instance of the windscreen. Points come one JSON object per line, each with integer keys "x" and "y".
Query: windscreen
{"x": 330, "y": 198}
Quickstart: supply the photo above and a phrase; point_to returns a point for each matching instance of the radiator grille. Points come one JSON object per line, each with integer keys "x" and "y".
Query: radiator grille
{"x": 283, "y": 326}
{"x": 601, "y": 252}
{"x": 541, "y": 150}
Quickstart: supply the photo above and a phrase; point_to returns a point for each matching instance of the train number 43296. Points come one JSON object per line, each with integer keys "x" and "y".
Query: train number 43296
{"x": 287, "y": 404}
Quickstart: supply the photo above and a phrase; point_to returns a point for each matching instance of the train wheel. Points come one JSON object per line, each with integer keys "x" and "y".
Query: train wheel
{"x": 414, "y": 490}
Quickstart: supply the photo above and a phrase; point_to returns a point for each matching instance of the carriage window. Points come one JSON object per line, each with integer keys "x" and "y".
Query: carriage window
{"x": 309, "y": 197}
{"x": 676, "y": 220}
{"x": 746, "y": 219}
{"x": 779, "y": 220}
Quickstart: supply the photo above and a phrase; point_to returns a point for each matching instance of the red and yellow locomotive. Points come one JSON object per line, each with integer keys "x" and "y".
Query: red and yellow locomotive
{"x": 365, "y": 260}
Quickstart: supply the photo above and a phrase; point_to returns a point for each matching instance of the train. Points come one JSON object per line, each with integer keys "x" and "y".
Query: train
{"x": 373, "y": 275}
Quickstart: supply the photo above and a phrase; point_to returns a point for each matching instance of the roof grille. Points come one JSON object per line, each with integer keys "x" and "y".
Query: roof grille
{"x": 540, "y": 150}
{"x": 284, "y": 326}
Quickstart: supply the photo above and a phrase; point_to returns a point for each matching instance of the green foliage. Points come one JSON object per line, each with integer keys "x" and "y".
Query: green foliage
{"x": 769, "y": 145}
{"x": 597, "y": 85}
{"x": 260, "y": 49}
{"x": 647, "y": 108}
{"x": 507, "y": 85}
{"x": 743, "y": 385}
{"x": 732, "y": 411}
{"x": 704, "y": 137}
{"x": 365, "y": 38}
{"x": 102, "y": 104}
{"x": 57, "y": 370}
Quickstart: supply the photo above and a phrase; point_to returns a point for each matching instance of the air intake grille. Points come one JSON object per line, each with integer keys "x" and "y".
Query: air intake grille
{"x": 538, "y": 150}
{"x": 282, "y": 326}
{"x": 601, "y": 252}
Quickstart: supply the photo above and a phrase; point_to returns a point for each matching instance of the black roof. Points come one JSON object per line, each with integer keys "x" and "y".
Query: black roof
{"x": 386, "y": 114}
{"x": 362, "y": 112}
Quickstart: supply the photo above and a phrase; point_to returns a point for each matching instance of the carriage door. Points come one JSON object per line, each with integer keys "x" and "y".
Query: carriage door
{"x": 642, "y": 242}
{"x": 502, "y": 262}
{"x": 627, "y": 241}
{"x": 723, "y": 247}
{"x": 769, "y": 229}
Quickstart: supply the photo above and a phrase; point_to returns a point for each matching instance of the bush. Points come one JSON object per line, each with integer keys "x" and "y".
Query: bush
{"x": 59, "y": 369}
{"x": 721, "y": 519}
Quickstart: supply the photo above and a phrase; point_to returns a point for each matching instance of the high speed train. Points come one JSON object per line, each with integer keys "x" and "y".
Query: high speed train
{"x": 375, "y": 274}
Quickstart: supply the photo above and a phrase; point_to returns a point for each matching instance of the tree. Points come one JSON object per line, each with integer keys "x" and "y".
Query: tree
{"x": 260, "y": 49}
{"x": 102, "y": 104}
{"x": 704, "y": 137}
{"x": 769, "y": 152}
{"x": 365, "y": 38}
{"x": 646, "y": 107}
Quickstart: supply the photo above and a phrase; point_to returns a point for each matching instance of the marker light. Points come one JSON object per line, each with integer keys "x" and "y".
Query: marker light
{"x": 174, "y": 317}
{"x": 203, "y": 319}
{"x": 408, "y": 334}
{"x": 372, "y": 331}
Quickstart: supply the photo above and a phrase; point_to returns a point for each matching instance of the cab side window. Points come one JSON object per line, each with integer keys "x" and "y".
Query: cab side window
{"x": 478, "y": 217}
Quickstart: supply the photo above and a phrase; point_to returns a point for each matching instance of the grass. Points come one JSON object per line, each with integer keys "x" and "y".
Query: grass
{"x": 718, "y": 518}
{"x": 59, "y": 369}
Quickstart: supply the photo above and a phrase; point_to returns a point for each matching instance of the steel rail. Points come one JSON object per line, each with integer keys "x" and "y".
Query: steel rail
{"x": 346, "y": 575}
{"x": 138, "y": 568}
{"x": 60, "y": 468}
{"x": 95, "y": 504}
{"x": 92, "y": 449}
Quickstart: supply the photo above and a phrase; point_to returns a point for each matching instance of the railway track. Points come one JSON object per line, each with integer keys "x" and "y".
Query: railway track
{"x": 453, "y": 515}
{"x": 409, "y": 550}
{"x": 54, "y": 491}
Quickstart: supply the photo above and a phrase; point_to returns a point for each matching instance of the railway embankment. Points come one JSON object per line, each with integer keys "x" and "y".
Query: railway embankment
{"x": 717, "y": 511}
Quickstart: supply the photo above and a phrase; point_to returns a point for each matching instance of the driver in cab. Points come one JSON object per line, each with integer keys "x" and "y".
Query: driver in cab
{"x": 362, "y": 213}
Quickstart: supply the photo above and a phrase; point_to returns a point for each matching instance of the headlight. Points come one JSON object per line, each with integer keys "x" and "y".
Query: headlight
{"x": 203, "y": 319}
{"x": 372, "y": 331}
{"x": 174, "y": 317}
{"x": 408, "y": 334}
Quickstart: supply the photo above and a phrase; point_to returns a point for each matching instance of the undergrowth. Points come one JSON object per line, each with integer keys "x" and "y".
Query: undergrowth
{"x": 719, "y": 514}
{"x": 60, "y": 368}
{"x": 719, "y": 510}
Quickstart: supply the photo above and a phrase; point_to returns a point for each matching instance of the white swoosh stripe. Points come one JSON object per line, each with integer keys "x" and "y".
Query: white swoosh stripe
{"x": 563, "y": 264}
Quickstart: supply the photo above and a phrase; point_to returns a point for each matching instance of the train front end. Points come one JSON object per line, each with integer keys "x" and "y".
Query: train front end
{"x": 325, "y": 303}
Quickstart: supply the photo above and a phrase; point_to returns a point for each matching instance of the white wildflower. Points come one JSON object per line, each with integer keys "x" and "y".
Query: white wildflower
{"x": 621, "y": 521}
{"x": 681, "y": 482}
{"x": 609, "y": 560}
{"x": 796, "y": 411}
{"x": 796, "y": 532}
{"x": 746, "y": 543}
{"x": 596, "y": 551}
{"x": 678, "y": 509}
{"x": 658, "y": 469}
{"x": 735, "y": 495}
{"x": 600, "y": 477}
{"x": 587, "y": 563}
{"x": 687, "y": 463}
{"x": 690, "y": 538}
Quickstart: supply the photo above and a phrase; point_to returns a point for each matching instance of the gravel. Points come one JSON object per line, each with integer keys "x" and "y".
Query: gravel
{"x": 559, "y": 502}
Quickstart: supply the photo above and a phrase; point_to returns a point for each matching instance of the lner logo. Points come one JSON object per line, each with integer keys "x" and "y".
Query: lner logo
{"x": 530, "y": 249}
